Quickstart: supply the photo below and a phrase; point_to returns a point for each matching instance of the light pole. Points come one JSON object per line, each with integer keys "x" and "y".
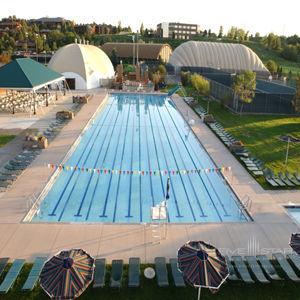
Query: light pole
{"x": 36, "y": 47}
{"x": 26, "y": 37}
{"x": 137, "y": 47}
{"x": 287, "y": 151}
{"x": 44, "y": 37}
{"x": 133, "y": 50}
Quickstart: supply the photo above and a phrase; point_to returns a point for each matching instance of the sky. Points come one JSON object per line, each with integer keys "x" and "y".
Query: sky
{"x": 264, "y": 16}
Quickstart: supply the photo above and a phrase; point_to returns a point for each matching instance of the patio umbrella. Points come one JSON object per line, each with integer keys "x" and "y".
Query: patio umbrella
{"x": 202, "y": 265}
{"x": 67, "y": 274}
{"x": 295, "y": 242}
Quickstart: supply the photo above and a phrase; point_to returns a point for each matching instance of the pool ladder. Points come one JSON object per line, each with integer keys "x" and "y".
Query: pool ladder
{"x": 246, "y": 204}
{"x": 158, "y": 231}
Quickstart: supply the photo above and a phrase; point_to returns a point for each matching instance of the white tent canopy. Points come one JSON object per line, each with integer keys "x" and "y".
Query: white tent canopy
{"x": 88, "y": 65}
{"x": 223, "y": 56}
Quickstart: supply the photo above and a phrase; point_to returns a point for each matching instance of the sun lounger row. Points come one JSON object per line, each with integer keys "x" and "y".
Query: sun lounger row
{"x": 248, "y": 269}
{"x": 282, "y": 180}
{"x": 259, "y": 268}
{"x": 13, "y": 168}
{"x": 116, "y": 276}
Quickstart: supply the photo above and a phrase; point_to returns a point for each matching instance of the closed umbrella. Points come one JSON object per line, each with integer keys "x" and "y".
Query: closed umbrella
{"x": 202, "y": 265}
{"x": 295, "y": 242}
{"x": 67, "y": 274}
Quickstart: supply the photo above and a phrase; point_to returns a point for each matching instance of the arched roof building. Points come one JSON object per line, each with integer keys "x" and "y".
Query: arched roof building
{"x": 84, "y": 66}
{"x": 146, "y": 51}
{"x": 224, "y": 56}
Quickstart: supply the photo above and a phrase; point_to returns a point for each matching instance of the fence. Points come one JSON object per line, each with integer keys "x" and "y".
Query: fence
{"x": 270, "y": 98}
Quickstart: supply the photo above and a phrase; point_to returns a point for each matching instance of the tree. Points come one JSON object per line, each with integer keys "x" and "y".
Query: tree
{"x": 156, "y": 80}
{"x": 142, "y": 30}
{"x": 114, "y": 57}
{"x": 5, "y": 58}
{"x": 244, "y": 87}
{"x": 296, "y": 101}
{"x": 290, "y": 52}
{"x": 220, "y": 35}
{"x": 119, "y": 28}
{"x": 272, "y": 66}
{"x": 185, "y": 78}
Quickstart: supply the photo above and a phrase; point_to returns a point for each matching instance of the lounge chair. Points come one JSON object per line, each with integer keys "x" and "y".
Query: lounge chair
{"x": 7, "y": 177}
{"x": 34, "y": 274}
{"x": 161, "y": 272}
{"x": 285, "y": 179}
{"x": 100, "y": 270}
{"x": 5, "y": 184}
{"x": 294, "y": 180}
{"x": 242, "y": 269}
{"x": 268, "y": 267}
{"x": 258, "y": 173}
{"x": 14, "y": 162}
{"x": 232, "y": 275}
{"x": 268, "y": 178}
{"x": 13, "y": 168}
{"x": 11, "y": 276}
{"x": 276, "y": 179}
{"x": 177, "y": 275}
{"x": 297, "y": 176}
{"x": 134, "y": 272}
{"x": 295, "y": 259}
{"x": 286, "y": 267}
{"x": 256, "y": 269}
{"x": 10, "y": 172}
{"x": 253, "y": 169}
{"x": 116, "y": 273}
{"x": 3, "y": 263}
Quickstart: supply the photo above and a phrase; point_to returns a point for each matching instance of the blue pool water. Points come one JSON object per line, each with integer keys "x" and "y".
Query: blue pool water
{"x": 294, "y": 212}
{"x": 138, "y": 132}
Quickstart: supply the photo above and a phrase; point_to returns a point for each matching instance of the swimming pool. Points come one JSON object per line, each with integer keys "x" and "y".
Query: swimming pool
{"x": 119, "y": 169}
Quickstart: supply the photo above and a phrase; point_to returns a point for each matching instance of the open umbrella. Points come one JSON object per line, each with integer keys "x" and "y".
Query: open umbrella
{"x": 202, "y": 265}
{"x": 67, "y": 274}
{"x": 295, "y": 242}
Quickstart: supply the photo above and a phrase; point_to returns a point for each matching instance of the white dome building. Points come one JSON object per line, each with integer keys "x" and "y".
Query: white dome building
{"x": 84, "y": 66}
{"x": 223, "y": 56}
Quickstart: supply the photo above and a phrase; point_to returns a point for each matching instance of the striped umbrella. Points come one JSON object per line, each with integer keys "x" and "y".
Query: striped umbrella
{"x": 202, "y": 265}
{"x": 67, "y": 274}
{"x": 295, "y": 242}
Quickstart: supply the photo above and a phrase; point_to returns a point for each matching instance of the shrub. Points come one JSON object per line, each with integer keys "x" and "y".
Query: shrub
{"x": 272, "y": 66}
{"x": 200, "y": 84}
{"x": 162, "y": 70}
{"x": 290, "y": 53}
{"x": 185, "y": 78}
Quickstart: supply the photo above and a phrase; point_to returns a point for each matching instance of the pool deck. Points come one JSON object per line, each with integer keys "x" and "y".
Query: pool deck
{"x": 269, "y": 232}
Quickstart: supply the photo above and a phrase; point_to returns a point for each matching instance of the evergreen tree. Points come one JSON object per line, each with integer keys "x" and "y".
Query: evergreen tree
{"x": 220, "y": 35}
{"x": 142, "y": 30}
{"x": 119, "y": 28}
{"x": 296, "y": 101}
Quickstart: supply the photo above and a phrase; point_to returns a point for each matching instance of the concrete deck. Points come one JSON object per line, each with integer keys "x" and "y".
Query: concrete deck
{"x": 270, "y": 231}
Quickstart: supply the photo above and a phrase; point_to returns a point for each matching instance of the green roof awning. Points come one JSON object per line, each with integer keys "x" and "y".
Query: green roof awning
{"x": 27, "y": 74}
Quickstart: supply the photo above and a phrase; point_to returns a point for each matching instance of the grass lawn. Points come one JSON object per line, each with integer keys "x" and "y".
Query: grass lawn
{"x": 149, "y": 291}
{"x": 4, "y": 139}
{"x": 260, "y": 135}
